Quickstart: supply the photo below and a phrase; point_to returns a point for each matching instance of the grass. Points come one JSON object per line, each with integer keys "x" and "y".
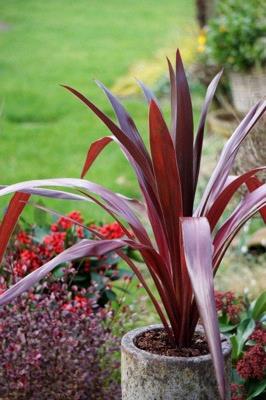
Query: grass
{"x": 44, "y": 131}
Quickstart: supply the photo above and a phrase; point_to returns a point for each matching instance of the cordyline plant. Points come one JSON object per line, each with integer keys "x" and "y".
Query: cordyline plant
{"x": 186, "y": 246}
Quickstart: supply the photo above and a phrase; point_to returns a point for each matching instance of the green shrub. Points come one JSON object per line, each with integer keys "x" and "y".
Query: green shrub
{"x": 236, "y": 37}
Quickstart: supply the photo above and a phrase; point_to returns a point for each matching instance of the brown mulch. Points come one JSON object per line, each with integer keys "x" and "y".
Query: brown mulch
{"x": 157, "y": 342}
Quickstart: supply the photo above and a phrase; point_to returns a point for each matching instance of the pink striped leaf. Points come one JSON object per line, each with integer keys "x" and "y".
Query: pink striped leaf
{"x": 197, "y": 245}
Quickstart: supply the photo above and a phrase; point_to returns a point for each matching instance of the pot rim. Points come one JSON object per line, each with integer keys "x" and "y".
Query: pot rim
{"x": 128, "y": 345}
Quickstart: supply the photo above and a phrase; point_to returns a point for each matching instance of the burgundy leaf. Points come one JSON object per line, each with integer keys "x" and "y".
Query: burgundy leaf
{"x": 252, "y": 184}
{"x": 93, "y": 152}
{"x": 9, "y": 221}
{"x": 168, "y": 182}
{"x": 116, "y": 203}
{"x": 183, "y": 138}
{"x": 227, "y": 193}
{"x": 173, "y": 97}
{"x": 126, "y": 122}
{"x": 130, "y": 146}
{"x": 197, "y": 245}
{"x": 251, "y": 204}
{"x": 142, "y": 280}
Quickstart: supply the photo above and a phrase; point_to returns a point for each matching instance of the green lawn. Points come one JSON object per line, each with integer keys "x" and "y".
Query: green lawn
{"x": 45, "y": 132}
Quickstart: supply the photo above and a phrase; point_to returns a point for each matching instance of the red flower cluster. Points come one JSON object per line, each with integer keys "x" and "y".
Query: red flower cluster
{"x": 29, "y": 254}
{"x": 28, "y": 261}
{"x": 55, "y": 243}
{"x": 259, "y": 336}
{"x": 64, "y": 223}
{"x": 111, "y": 231}
{"x": 237, "y": 392}
{"x": 227, "y": 303}
{"x": 78, "y": 303}
{"x": 253, "y": 364}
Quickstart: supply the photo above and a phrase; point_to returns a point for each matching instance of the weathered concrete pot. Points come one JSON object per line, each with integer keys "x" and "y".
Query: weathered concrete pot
{"x": 147, "y": 376}
{"x": 247, "y": 89}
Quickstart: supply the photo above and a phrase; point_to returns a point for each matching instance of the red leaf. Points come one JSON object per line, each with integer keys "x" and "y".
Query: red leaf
{"x": 15, "y": 208}
{"x": 167, "y": 181}
{"x": 183, "y": 139}
{"x": 227, "y": 193}
{"x": 173, "y": 97}
{"x": 93, "y": 152}
{"x": 127, "y": 142}
{"x": 252, "y": 184}
{"x": 126, "y": 122}
{"x": 251, "y": 204}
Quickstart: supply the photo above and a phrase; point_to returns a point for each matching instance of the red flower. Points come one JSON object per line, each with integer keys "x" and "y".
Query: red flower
{"x": 253, "y": 363}
{"x": 30, "y": 259}
{"x": 64, "y": 222}
{"x": 23, "y": 238}
{"x": 79, "y": 303}
{"x": 227, "y": 303}
{"x": 237, "y": 392}
{"x": 111, "y": 231}
{"x": 54, "y": 228}
{"x": 233, "y": 311}
{"x": 20, "y": 269}
{"x": 55, "y": 243}
{"x": 259, "y": 336}
{"x": 80, "y": 232}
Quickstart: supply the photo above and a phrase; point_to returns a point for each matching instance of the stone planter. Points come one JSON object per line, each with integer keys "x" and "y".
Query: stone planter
{"x": 247, "y": 89}
{"x": 221, "y": 122}
{"x": 147, "y": 376}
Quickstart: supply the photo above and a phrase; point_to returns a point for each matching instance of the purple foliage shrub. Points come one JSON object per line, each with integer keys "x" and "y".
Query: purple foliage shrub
{"x": 52, "y": 347}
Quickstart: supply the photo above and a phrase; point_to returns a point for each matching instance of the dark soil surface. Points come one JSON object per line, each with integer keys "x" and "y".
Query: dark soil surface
{"x": 157, "y": 342}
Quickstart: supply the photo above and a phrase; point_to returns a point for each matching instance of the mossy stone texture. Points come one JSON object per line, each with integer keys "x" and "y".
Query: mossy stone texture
{"x": 147, "y": 376}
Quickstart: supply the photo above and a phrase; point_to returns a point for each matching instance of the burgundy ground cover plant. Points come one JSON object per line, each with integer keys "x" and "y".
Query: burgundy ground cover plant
{"x": 188, "y": 241}
{"x": 53, "y": 347}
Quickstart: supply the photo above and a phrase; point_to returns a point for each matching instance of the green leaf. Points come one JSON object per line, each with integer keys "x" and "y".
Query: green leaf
{"x": 263, "y": 320}
{"x": 80, "y": 278}
{"x": 124, "y": 272}
{"x": 256, "y": 389}
{"x": 40, "y": 233}
{"x": 109, "y": 259}
{"x": 236, "y": 378}
{"x": 59, "y": 271}
{"x": 110, "y": 295}
{"x": 226, "y": 327}
{"x": 244, "y": 330}
{"x": 259, "y": 307}
{"x": 121, "y": 289}
{"x": 134, "y": 255}
{"x": 96, "y": 278}
{"x": 235, "y": 346}
{"x": 40, "y": 216}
